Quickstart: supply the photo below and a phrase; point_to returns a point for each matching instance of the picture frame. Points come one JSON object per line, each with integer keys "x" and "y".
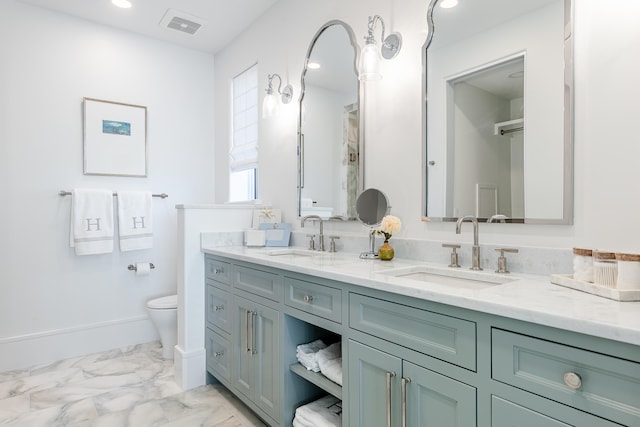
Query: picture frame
{"x": 115, "y": 138}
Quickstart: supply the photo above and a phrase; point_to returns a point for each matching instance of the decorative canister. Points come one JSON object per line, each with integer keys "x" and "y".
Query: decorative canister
{"x": 605, "y": 269}
{"x": 628, "y": 271}
{"x": 583, "y": 264}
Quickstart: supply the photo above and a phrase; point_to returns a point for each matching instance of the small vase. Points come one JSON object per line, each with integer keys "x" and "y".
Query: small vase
{"x": 386, "y": 252}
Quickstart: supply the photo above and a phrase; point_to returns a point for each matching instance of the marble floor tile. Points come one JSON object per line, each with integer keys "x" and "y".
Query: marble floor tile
{"x": 130, "y": 386}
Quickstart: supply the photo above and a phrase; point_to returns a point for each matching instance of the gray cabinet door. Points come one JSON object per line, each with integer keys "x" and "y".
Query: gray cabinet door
{"x": 434, "y": 400}
{"x": 256, "y": 370}
{"x": 265, "y": 356}
{"x": 372, "y": 404}
{"x": 508, "y": 414}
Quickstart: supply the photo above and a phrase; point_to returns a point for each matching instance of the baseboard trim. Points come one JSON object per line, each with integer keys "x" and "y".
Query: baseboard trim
{"x": 190, "y": 367}
{"x": 24, "y": 351}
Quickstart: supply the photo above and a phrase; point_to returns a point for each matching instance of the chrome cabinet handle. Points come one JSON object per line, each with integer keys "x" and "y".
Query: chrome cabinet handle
{"x": 218, "y": 271}
{"x": 253, "y": 332}
{"x": 572, "y": 380}
{"x": 308, "y": 298}
{"x": 247, "y": 330}
{"x": 389, "y": 376}
{"x": 404, "y": 381}
{"x": 219, "y": 307}
{"x": 218, "y": 354}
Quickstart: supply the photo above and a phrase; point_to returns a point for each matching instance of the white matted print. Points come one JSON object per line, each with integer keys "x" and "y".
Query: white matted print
{"x": 115, "y": 138}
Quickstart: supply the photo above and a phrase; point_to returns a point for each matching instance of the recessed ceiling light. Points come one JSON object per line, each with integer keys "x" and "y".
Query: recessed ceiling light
{"x": 313, "y": 65}
{"x": 125, "y": 4}
{"x": 448, "y": 4}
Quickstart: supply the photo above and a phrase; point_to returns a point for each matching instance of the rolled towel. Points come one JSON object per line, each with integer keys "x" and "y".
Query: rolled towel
{"x": 330, "y": 362}
{"x": 324, "y": 412}
{"x": 306, "y": 354}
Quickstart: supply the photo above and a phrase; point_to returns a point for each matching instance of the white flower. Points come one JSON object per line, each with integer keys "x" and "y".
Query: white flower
{"x": 390, "y": 224}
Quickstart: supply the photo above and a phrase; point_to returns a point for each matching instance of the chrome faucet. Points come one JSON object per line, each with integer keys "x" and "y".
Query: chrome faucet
{"x": 475, "y": 251}
{"x": 321, "y": 236}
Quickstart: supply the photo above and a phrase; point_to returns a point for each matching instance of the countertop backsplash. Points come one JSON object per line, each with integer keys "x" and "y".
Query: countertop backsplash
{"x": 529, "y": 260}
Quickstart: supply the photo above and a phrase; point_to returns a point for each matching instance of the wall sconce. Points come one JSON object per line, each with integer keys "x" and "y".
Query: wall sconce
{"x": 270, "y": 104}
{"x": 371, "y": 56}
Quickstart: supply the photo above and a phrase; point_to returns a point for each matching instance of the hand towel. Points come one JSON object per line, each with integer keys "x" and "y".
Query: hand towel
{"x": 330, "y": 362}
{"x": 135, "y": 222}
{"x": 306, "y": 354}
{"x": 324, "y": 412}
{"x": 91, "y": 230}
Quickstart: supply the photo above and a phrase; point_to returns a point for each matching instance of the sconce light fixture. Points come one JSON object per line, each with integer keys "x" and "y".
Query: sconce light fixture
{"x": 371, "y": 55}
{"x": 270, "y": 104}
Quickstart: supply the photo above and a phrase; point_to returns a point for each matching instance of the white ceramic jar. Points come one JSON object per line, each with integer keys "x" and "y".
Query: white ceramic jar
{"x": 605, "y": 269}
{"x": 628, "y": 271}
{"x": 583, "y": 265}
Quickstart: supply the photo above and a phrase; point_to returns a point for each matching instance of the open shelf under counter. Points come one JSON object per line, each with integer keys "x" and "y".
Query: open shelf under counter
{"x": 318, "y": 379}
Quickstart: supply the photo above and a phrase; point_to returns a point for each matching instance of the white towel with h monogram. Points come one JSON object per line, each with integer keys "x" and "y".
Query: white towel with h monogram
{"x": 135, "y": 222}
{"x": 91, "y": 230}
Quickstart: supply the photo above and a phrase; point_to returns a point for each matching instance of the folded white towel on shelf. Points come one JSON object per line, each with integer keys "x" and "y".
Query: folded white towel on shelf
{"x": 324, "y": 412}
{"x": 91, "y": 230}
{"x": 307, "y": 354}
{"x": 330, "y": 362}
{"x": 135, "y": 221}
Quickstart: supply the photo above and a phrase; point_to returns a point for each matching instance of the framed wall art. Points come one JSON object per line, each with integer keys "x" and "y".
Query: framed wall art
{"x": 115, "y": 138}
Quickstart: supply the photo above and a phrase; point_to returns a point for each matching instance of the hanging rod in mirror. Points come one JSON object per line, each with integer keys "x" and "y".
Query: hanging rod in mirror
{"x": 161, "y": 195}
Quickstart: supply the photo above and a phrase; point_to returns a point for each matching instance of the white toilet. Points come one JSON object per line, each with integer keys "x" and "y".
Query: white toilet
{"x": 164, "y": 315}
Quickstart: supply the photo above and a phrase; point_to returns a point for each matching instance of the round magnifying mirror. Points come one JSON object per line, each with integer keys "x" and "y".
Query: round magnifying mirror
{"x": 371, "y": 206}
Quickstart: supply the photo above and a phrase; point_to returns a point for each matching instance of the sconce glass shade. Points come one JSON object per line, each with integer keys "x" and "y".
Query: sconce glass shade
{"x": 270, "y": 105}
{"x": 370, "y": 60}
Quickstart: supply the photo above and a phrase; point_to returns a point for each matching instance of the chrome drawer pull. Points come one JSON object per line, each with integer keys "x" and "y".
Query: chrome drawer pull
{"x": 219, "y": 307}
{"x": 389, "y": 375}
{"x": 218, "y": 354}
{"x": 308, "y": 298}
{"x": 573, "y": 380}
{"x": 218, "y": 271}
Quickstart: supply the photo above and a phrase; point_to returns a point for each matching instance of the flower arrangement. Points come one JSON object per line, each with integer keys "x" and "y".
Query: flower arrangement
{"x": 390, "y": 224}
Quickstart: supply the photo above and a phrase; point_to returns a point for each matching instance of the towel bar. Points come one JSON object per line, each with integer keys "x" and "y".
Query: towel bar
{"x": 161, "y": 195}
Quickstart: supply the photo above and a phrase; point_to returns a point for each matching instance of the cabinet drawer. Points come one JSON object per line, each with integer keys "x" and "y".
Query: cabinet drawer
{"x": 508, "y": 414}
{"x": 604, "y": 385}
{"x": 217, "y": 270}
{"x": 218, "y": 355}
{"x": 321, "y": 300}
{"x": 259, "y": 282}
{"x": 444, "y": 337}
{"x": 218, "y": 308}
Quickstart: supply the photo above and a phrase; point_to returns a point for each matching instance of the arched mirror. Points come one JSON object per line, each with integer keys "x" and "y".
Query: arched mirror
{"x": 498, "y": 111}
{"x": 329, "y": 144}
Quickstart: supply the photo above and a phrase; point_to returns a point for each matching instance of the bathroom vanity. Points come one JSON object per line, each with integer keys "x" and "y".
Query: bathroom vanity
{"x": 420, "y": 347}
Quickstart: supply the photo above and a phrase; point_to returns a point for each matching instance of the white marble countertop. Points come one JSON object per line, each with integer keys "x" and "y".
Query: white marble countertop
{"x": 528, "y": 298}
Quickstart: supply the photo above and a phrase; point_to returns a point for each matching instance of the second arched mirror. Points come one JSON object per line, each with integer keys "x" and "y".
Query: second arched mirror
{"x": 329, "y": 143}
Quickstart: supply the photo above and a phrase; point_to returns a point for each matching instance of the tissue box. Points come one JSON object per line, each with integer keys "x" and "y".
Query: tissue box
{"x": 254, "y": 237}
{"x": 276, "y": 234}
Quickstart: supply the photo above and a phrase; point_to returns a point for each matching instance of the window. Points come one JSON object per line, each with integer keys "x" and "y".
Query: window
{"x": 243, "y": 157}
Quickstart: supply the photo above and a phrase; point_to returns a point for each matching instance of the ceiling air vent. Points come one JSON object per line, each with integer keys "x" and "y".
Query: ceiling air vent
{"x": 181, "y": 21}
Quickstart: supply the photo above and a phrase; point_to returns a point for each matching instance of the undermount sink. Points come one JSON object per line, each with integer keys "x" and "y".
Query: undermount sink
{"x": 291, "y": 253}
{"x": 450, "y": 277}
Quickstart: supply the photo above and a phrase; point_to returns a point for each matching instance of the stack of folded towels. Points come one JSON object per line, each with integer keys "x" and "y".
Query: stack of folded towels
{"x": 307, "y": 354}
{"x": 324, "y": 412}
{"x": 317, "y": 357}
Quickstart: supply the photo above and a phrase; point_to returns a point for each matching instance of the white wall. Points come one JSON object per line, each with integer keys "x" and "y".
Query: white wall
{"x": 54, "y": 304}
{"x": 606, "y": 93}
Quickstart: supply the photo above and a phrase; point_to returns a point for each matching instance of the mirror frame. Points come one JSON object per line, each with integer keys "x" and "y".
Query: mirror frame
{"x": 568, "y": 137}
{"x": 300, "y": 147}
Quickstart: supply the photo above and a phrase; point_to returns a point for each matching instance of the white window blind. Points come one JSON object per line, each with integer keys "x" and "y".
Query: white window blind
{"x": 244, "y": 146}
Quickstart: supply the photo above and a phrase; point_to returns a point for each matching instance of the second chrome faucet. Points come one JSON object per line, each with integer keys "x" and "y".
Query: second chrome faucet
{"x": 475, "y": 250}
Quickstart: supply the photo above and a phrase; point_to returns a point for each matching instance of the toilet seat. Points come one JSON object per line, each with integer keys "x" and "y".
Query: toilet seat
{"x": 164, "y": 303}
